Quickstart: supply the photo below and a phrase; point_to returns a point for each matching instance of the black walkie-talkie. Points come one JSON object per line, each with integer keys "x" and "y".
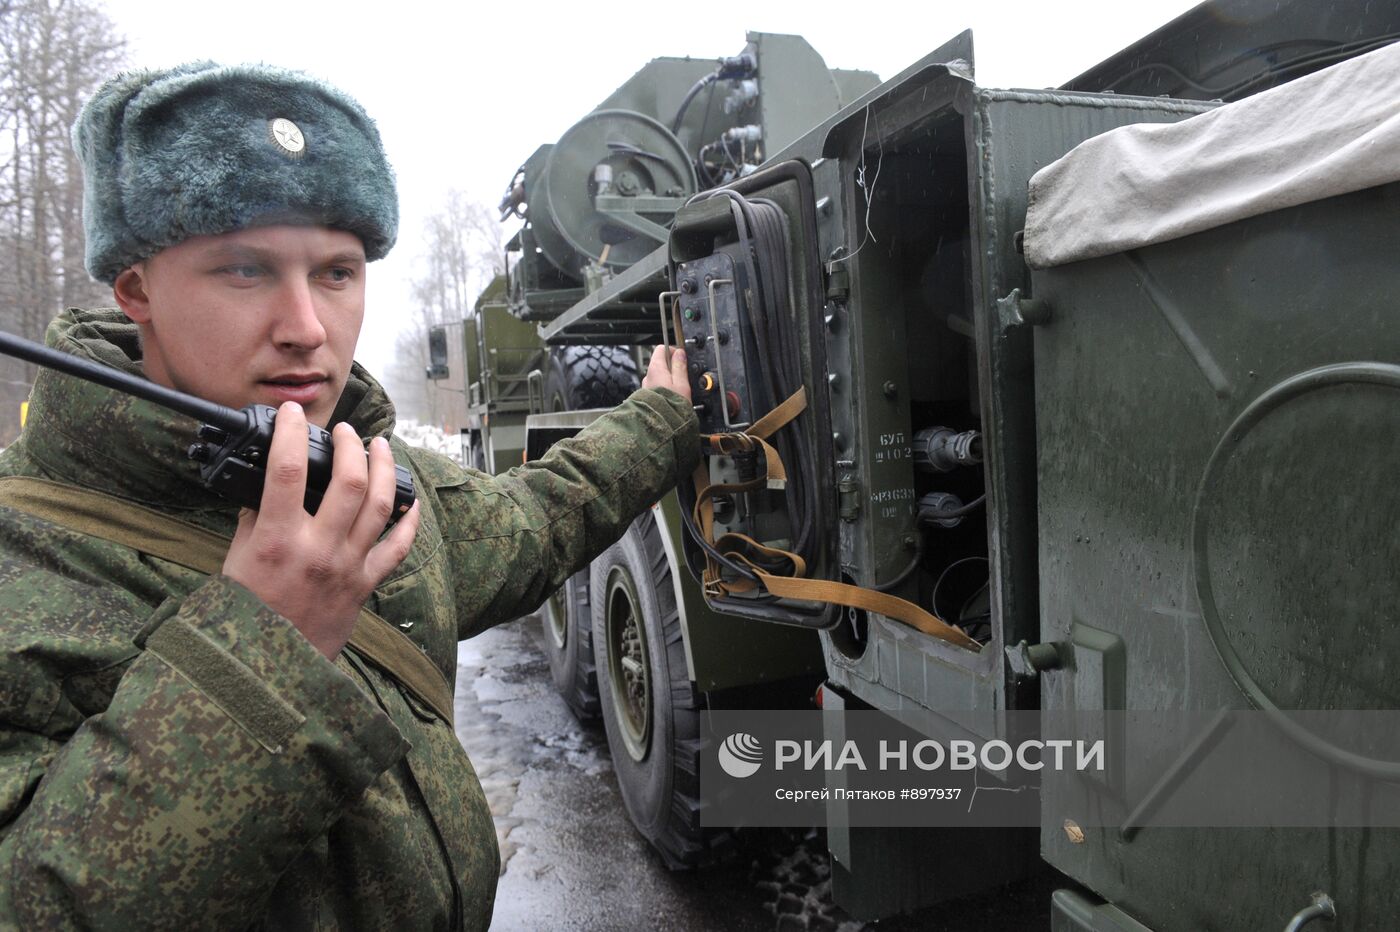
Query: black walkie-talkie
{"x": 233, "y": 445}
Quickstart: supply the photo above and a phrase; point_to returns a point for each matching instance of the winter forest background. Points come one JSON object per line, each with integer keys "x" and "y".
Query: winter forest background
{"x": 53, "y": 55}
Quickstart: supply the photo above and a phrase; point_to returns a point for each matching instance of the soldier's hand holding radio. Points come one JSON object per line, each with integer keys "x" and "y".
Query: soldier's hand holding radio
{"x": 317, "y": 570}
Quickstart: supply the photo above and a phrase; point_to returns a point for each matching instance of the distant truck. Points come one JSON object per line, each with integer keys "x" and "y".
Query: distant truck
{"x": 1084, "y": 436}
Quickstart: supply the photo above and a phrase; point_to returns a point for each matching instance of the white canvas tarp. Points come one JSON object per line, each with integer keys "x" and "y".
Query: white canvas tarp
{"x": 1329, "y": 133}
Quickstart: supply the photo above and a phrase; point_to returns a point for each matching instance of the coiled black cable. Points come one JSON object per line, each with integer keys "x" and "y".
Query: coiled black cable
{"x": 763, "y": 240}
{"x": 764, "y": 245}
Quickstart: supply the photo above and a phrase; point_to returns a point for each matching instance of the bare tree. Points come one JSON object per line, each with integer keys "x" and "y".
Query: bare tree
{"x": 53, "y": 55}
{"x": 463, "y": 250}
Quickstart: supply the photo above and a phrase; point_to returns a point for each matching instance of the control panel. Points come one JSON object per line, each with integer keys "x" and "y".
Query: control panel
{"x": 712, "y": 317}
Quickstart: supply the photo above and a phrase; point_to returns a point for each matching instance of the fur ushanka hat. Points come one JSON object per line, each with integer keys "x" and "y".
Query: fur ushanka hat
{"x": 203, "y": 149}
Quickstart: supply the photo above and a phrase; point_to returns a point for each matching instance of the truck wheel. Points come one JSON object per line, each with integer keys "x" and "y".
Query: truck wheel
{"x": 650, "y": 709}
{"x": 568, "y": 645}
{"x": 580, "y": 377}
{"x": 589, "y": 377}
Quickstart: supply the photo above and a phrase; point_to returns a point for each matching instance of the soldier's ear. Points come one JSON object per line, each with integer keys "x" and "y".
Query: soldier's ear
{"x": 130, "y": 291}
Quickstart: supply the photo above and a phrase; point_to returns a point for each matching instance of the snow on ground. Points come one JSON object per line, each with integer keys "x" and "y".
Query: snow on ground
{"x": 430, "y": 438}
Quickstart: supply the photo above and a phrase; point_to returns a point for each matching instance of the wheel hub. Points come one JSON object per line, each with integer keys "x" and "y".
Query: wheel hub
{"x": 628, "y": 669}
{"x": 556, "y": 612}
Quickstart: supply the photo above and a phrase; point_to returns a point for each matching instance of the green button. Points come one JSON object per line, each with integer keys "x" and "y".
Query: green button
{"x": 692, "y": 313}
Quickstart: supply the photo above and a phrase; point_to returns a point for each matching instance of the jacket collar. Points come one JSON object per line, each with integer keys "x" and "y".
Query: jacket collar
{"x": 86, "y": 434}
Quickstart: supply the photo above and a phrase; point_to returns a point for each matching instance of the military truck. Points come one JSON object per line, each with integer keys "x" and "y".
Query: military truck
{"x": 995, "y": 444}
{"x": 592, "y": 204}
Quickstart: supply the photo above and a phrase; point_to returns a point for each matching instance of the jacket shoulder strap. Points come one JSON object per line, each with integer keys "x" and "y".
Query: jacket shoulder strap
{"x": 144, "y": 529}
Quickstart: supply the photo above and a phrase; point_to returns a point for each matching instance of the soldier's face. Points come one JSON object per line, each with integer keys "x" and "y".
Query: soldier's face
{"x": 266, "y": 315}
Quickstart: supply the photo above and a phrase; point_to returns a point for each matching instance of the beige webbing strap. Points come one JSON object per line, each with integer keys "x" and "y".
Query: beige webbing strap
{"x": 791, "y": 407}
{"x": 872, "y": 600}
{"x": 148, "y": 531}
{"x": 792, "y": 587}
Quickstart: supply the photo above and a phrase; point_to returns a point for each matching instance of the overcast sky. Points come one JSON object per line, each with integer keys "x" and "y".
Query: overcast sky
{"x": 464, "y": 93}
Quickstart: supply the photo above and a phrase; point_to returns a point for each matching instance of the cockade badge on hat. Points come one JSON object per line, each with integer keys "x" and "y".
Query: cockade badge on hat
{"x": 287, "y": 136}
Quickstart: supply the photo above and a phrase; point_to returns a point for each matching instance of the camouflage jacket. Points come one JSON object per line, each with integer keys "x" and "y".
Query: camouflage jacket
{"x": 243, "y": 780}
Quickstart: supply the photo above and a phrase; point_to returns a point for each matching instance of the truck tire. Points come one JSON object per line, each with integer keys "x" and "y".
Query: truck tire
{"x": 580, "y": 377}
{"x": 650, "y": 709}
{"x": 589, "y": 377}
{"x": 568, "y": 645}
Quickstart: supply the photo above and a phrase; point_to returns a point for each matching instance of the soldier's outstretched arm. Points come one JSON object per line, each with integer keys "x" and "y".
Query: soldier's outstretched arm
{"x": 514, "y": 539}
{"x": 229, "y": 745}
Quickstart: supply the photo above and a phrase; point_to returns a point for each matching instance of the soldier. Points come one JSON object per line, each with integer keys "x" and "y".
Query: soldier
{"x": 186, "y": 740}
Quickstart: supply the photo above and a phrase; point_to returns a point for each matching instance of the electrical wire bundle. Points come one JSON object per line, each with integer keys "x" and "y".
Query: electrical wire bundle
{"x": 763, "y": 239}
{"x": 711, "y": 175}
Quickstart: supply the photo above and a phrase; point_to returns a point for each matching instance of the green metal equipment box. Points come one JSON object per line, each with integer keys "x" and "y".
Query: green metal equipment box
{"x": 1217, "y": 387}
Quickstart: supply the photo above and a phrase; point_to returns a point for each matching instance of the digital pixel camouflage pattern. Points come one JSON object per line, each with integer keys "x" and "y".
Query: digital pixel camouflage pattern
{"x": 173, "y": 754}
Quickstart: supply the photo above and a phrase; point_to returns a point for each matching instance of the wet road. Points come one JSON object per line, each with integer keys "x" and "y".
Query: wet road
{"x": 571, "y": 860}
